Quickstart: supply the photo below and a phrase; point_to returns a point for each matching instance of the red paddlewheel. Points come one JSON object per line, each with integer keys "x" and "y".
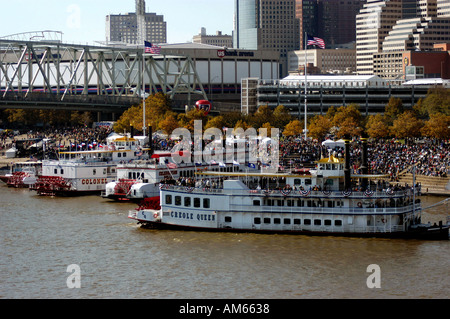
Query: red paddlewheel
{"x": 17, "y": 179}
{"x": 150, "y": 203}
{"x": 48, "y": 184}
{"x": 123, "y": 186}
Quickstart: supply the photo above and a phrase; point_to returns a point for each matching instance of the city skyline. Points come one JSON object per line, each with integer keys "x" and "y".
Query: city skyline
{"x": 83, "y": 21}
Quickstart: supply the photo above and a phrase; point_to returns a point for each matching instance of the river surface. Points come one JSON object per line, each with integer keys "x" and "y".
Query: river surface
{"x": 40, "y": 237}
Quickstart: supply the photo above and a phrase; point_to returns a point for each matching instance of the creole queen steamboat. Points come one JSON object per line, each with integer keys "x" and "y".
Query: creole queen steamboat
{"x": 320, "y": 202}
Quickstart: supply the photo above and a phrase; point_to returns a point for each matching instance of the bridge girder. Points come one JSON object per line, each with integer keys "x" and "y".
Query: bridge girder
{"x": 63, "y": 69}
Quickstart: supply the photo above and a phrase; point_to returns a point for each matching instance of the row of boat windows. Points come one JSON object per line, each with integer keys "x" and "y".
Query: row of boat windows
{"x": 299, "y": 203}
{"x": 188, "y": 201}
{"x": 61, "y": 171}
{"x": 289, "y": 221}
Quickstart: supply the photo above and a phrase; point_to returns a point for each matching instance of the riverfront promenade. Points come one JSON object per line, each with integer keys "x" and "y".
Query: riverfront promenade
{"x": 431, "y": 158}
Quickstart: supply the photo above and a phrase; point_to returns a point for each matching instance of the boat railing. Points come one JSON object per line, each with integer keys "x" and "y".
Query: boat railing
{"x": 325, "y": 210}
{"x": 78, "y": 162}
{"x": 388, "y": 193}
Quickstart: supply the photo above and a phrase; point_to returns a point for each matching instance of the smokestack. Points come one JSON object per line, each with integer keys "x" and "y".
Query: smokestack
{"x": 131, "y": 131}
{"x": 347, "y": 179}
{"x": 364, "y": 161}
{"x": 150, "y": 140}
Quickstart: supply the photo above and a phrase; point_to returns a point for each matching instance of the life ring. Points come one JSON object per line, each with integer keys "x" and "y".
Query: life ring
{"x": 359, "y": 205}
{"x": 155, "y": 215}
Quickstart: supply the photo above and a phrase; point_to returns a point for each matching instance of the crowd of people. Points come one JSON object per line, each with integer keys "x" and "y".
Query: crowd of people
{"x": 427, "y": 157}
{"x": 62, "y": 137}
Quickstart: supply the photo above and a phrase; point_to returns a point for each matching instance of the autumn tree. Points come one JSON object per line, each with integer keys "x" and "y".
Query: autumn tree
{"x": 168, "y": 124}
{"x": 232, "y": 118}
{"x": 242, "y": 124}
{"x": 376, "y": 126}
{"x": 263, "y": 115}
{"x": 407, "y": 125}
{"x": 319, "y": 127}
{"x": 129, "y": 118}
{"x": 26, "y": 117}
{"x": 436, "y": 101}
{"x": 281, "y": 117}
{"x": 348, "y": 120}
{"x": 267, "y": 126}
{"x": 293, "y": 128}
{"x": 187, "y": 120}
{"x": 156, "y": 108}
{"x": 437, "y": 126}
{"x": 216, "y": 122}
{"x": 393, "y": 109}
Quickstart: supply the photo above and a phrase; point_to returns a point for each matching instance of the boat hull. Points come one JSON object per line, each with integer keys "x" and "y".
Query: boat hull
{"x": 65, "y": 193}
{"x": 435, "y": 234}
{"x": 4, "y": 178}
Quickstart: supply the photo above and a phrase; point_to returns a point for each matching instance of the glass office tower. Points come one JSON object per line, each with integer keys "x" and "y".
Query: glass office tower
{"x": 267, "y": 25}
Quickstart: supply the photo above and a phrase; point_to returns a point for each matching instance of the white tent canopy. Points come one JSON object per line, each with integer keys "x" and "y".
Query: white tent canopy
{"x": 11, "y": 153}
{"x": 333, "y": 144}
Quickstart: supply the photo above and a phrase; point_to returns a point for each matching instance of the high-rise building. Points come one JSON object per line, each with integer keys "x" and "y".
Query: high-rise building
{"x": 419, "y": 27}
{"x": 331, "y": 20}
{"x": 307, "y": 13}
{"x": 443, "y": 9}
{"x": 373, "y": 24}
{"x": 136, "y": 27}
{"x": 267, "y": 25}
{"x": 219, "y": 39}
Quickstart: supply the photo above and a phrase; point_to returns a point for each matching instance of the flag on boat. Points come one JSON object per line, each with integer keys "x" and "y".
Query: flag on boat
{"x": 316, "y": 41}
{"x": 153, "y": 49}
{"x": 171, "y": 165}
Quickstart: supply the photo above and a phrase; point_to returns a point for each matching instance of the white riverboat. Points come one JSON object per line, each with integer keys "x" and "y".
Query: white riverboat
{"x": 22, "y": 174}
{"x": 86, "y": 172}
{"x": 321, "y": 202}
{"x": 140, "y": 180}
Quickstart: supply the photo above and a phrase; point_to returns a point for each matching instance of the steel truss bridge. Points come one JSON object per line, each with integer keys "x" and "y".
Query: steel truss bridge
{"x": 53, "y": 75}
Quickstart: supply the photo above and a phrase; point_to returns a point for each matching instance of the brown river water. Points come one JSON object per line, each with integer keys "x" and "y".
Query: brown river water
{"x": 40, "y": 237}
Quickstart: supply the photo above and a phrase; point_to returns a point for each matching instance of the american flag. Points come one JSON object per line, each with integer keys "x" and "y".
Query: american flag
{"x": 316, "y": 41}
{"x": 150, "y": 48}
{"x": 171, "y": 165}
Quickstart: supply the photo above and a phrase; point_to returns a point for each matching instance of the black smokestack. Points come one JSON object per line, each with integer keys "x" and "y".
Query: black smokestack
{"x": 150, "y": 140}
{"x": 347, "y": 179}
{"x": 364, "y": 161}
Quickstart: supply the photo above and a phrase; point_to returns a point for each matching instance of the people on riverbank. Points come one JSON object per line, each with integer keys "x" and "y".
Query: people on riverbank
{"x": 429, "y": 157}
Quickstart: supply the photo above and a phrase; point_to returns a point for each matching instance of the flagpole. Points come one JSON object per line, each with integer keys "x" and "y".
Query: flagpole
{"x": 143, "y": 85}
{"x": 306, "y": 85}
